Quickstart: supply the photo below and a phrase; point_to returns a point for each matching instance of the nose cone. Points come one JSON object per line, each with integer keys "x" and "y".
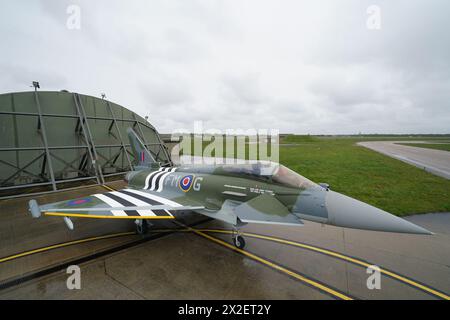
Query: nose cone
{"x": 347, "y": 212}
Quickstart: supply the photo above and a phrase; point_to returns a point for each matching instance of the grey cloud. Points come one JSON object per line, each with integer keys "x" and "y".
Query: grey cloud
{"x": 166, "y": 92}
{"x": 243, "y": 89}
{"x": 15, "y": 77}
{"x": 298, "y": 66}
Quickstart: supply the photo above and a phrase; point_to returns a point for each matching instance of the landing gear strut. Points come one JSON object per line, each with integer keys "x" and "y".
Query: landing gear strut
{"x": 141, "y": 226}
{"x": 238, "y": 239}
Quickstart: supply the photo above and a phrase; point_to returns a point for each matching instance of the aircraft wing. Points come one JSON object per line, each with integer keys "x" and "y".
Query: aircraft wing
{"x": 121, "y": 204}
{"x": 137, "y": 204}
{"x": 264, "y": 209}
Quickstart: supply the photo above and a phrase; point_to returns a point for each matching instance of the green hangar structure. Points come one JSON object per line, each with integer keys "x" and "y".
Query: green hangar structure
{"x": 52, "y": 140}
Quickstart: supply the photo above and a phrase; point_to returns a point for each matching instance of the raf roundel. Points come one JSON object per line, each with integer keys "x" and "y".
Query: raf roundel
{"x": 186, "y": 183}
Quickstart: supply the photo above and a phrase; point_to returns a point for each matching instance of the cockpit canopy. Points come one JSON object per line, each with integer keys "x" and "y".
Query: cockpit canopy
{"x": 290, "y": 178}
{"x": 266, "y": 171}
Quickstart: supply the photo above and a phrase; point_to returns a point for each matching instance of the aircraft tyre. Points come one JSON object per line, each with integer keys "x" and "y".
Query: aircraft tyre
{"x": 142, "y": 227}
{"x": 239, "y": 242}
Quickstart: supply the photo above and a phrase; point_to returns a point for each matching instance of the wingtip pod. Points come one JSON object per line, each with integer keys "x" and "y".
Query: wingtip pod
{"x": 34, "y": 209}
{"x": 348, "y": 212}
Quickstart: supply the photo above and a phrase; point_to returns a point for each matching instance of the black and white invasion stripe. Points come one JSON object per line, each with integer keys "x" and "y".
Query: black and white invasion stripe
{"x": 112, "y": 198}
{"x": 150, "y": 176}
{"x": 147, "y": 201}
{"x": 154, "y": 199}
{"x": 160, "y": 182}
{"x": 155, "y": 180}
{"x": 135, "y": 198}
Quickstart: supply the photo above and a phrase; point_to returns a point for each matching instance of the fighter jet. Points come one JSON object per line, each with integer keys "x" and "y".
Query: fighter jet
{"x": 260, "y": 192}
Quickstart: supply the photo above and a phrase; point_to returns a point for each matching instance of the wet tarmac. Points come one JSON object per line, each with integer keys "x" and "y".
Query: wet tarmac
{"x": 175, "y": 262}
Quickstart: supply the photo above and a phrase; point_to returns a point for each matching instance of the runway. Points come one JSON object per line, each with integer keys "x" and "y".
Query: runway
{"x": 176, "y": 261}
{"x": 431, "y": 160}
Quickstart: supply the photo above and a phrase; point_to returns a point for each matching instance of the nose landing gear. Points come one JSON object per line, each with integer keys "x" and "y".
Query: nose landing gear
{"x": 238, "y": 239}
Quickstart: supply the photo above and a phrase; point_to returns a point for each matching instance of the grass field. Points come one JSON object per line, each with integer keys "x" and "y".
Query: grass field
{"x": 437, "y": 146}
{"x": 366, "y": 175}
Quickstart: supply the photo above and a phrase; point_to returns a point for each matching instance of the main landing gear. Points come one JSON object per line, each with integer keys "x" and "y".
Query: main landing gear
{"x": 141, "y": 226}
{"x": 238, "y": 239}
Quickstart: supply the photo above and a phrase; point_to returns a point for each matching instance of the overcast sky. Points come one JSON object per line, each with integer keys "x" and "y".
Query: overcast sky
{"x": 296, "y": 66}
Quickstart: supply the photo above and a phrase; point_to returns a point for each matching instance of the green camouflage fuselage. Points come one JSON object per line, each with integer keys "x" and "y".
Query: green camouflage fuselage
{"x": 214, "y": 188}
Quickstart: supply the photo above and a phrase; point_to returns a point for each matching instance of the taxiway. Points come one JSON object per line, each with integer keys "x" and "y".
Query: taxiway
{"x": 433, "y": 161}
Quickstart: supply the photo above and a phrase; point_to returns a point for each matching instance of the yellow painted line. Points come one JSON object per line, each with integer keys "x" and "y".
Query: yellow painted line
{"x": 96, "y": 216}
{"x": 336, "y": 255}
{"x": 65, "y": 244}
{"x": 108, "y": 188}
{"x": 275, "y": 266}
{"x": 339, "y": 256}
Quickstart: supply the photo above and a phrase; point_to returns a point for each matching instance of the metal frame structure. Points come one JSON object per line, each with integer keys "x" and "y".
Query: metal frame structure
{"x": 89, "y": 166}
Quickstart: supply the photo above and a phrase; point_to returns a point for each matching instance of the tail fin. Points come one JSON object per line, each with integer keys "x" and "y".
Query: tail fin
{"x": 141, "y": 154}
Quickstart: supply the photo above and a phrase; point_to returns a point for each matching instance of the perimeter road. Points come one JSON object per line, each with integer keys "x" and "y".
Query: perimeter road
{"x": 431, "y": 160}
